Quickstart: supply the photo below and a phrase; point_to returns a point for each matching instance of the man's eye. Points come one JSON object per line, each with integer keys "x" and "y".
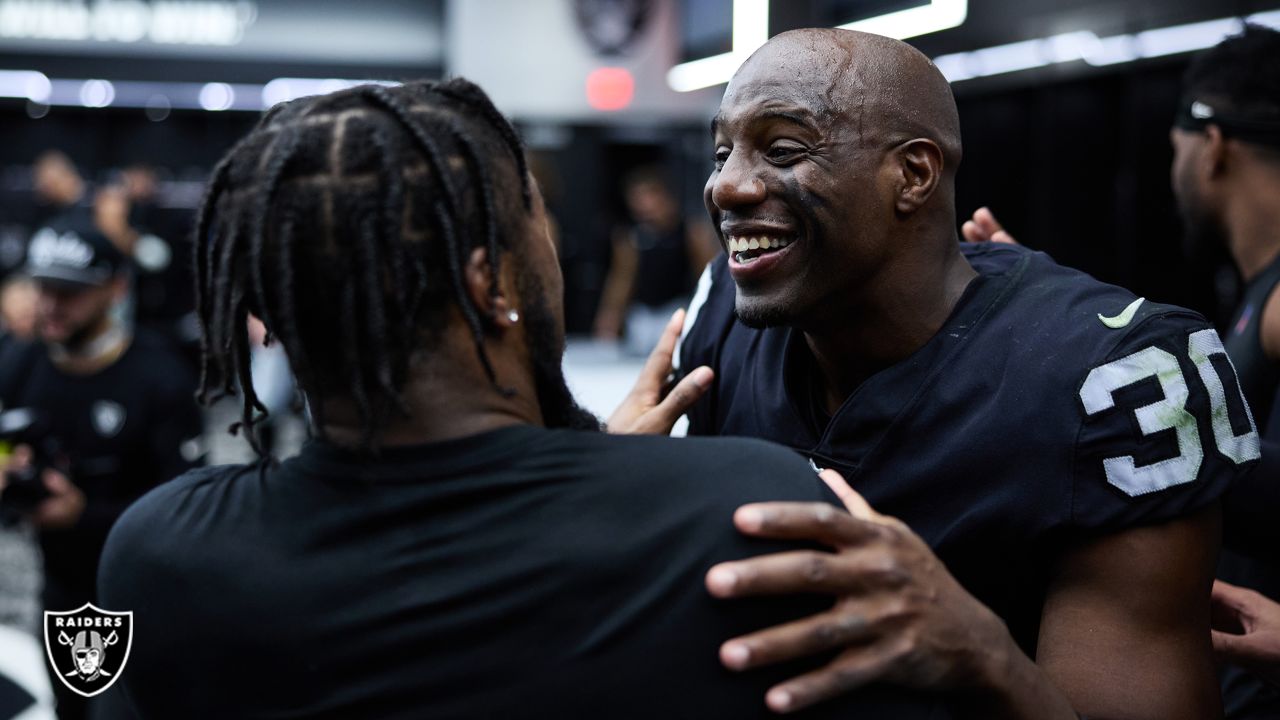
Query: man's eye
{"x": 784, "y": 153}
{"x": 722, "y": 156}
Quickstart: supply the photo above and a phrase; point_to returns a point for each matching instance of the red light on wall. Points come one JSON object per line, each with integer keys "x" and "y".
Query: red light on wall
{"x": 610, "y": 88}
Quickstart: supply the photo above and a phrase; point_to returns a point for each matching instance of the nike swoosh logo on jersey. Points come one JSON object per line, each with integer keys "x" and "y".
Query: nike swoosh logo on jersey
{"x": 1124, "y": 318}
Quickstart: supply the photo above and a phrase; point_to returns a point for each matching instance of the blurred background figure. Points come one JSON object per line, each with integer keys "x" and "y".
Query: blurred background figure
{"x": 60, "y": 192}
{"x": 163, "y": 288}
{"x": 17, "y": 309}
{"x": 656, "y": 260}
{"x": 107, "y": 408}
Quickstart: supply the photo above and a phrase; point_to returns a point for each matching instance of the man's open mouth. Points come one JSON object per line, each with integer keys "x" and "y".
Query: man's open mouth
{"x": 746, "y": 249}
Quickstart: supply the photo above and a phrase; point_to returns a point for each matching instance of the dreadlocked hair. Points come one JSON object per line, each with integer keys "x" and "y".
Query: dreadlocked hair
{"x": 362, "y": 207}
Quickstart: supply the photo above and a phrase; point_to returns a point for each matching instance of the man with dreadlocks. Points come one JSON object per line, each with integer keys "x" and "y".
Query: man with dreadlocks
{"x": 459, "y": 540}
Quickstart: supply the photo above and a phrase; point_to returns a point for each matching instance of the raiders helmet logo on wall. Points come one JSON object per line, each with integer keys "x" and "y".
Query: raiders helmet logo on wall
{"x": 88, "y": 647}
{"x": 611, "y": 26}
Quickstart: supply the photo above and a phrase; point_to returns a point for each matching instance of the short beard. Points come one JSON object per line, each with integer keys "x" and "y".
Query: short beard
{"x": 760, "y": 317}
{"x": 83, "y": 335}
{"x": 546, "y": 351}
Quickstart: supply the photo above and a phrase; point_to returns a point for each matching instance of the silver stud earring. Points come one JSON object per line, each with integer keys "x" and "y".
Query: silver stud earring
{"x": 513, "y": 316}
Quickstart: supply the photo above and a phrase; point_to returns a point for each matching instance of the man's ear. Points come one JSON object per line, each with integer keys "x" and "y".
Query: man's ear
{"x": 477, "y": 277}
{"x": 921, "y": 164}
{"x": 1214, "y": 158}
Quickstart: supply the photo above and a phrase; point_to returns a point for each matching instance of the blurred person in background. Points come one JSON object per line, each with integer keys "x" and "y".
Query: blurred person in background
{"x": 18, "y": 296}
{"x": 163, "y": 286}
{"x": 1226, "y": 179}
{"x": 654, "y": 264}
{"x": 17, "y": 309}
{"x": 25, "y": 689}
{"x": 61, "y": 193}
{"x": 110, "y": 408}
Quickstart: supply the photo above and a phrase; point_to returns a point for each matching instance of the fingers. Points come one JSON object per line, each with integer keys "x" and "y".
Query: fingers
{"x": 1239, "y": 600}
{"x": 804, "y": 571}
{"x": 799, "y": 639}
{"x": 658, "y": 366}
{"x": 986, "y": 220}
{"x": 57, "y": 483}
{"x": 973, "y": 233}
{"x": 1233, "y": 648}
{"x": 818, "y": 522}
{"x": 853, "y": 502}
{"x": 20, "y": 458}
{"x": 846, "y": 673}
{"x": 985, "y": 228}
{"x": 687, "y": 392}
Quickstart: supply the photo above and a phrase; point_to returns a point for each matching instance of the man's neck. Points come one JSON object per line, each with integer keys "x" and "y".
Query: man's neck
{"x": 1253, "y": 232}
{"x": 444, "y": 403}
{"x": 99, "y": 350}
{"x": 890, "y": 325}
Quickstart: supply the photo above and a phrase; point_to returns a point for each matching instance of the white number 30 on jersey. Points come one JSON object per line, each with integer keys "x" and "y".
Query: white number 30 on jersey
{"x": 1170, "y": 413}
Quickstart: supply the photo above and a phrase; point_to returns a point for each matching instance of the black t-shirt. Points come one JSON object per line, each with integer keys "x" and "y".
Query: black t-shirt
{"x": 116, "y": 433}
{"x": 1048, "y": 409}
{"x": 523, "y": 572}
{"x": 1259, "y": 374}
{"x": 662, "y": 269}
{"x": 1249, "y": 528}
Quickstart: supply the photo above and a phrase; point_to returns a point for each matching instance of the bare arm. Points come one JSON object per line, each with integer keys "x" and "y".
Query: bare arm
{"x": 618, "y": 286}
{"x": 1124, "y": 631}
{"x": 1124, "y": 626}
{"x": 1269, "y": 326}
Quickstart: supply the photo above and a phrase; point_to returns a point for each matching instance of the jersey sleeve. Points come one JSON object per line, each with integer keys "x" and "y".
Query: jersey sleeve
{"x": 707, "y": 321}
{"x": 1164, "y": 427}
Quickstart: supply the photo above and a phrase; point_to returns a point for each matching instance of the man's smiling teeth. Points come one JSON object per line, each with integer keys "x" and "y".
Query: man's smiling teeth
{"x": 761, "y": 242}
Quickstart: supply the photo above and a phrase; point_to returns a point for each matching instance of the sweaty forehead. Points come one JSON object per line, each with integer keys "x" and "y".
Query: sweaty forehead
{"x": 815, "y": 81}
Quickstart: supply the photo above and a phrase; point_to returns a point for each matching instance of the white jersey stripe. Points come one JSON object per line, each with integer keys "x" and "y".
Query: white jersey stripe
{"x": 691, "y": 315}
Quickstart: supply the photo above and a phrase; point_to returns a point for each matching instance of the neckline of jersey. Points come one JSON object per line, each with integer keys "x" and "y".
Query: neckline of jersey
{"x": 413, "y": 463}
{"x": 982, "y": 294}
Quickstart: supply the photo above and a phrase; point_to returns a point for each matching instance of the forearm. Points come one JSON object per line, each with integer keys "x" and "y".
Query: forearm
{"x": 616, "y": 294}
{"x": 1012, "y": 687}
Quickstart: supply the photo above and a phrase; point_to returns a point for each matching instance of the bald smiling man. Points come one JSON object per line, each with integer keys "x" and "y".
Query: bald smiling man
{"x": 1060, "y": 444}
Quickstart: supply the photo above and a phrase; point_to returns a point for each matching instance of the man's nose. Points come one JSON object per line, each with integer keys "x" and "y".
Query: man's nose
{"x": 737, "y": 184}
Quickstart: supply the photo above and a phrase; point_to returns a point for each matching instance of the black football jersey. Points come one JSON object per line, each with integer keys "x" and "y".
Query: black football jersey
{"x": 1049, "y": 407}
